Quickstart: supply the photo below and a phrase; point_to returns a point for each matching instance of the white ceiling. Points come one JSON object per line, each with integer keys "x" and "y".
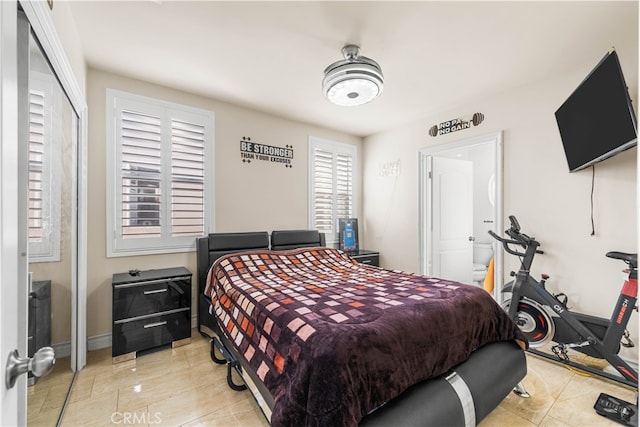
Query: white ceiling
{"x": 270, "y": 56}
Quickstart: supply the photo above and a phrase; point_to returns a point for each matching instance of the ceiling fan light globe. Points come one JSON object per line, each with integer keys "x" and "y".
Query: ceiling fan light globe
{"x": 353, "y": 81}
{"x": 353, "y": 91}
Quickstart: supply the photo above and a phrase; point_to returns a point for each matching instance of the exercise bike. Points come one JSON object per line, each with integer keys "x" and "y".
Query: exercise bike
{"x": 544, "y": 317}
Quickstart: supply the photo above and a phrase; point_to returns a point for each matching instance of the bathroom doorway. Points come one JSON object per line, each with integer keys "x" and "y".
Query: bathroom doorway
{"x": 460, "y": 201}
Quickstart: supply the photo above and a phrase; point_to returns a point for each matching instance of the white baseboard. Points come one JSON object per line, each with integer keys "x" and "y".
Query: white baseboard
{"x": 62, "y": 349}
{"x": 99, "y": 341}
{"x": 93, "y": 343}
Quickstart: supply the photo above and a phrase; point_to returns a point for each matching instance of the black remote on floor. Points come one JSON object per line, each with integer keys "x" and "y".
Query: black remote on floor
{"x": 617, "y": 410}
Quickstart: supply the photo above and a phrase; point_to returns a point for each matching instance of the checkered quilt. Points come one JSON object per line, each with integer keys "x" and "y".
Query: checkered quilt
{"x": 333, "y": 339}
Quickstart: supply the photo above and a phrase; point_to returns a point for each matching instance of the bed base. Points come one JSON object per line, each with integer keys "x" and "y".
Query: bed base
{"x": 231, "y": 362}
{"x": 467, "y": 394}
{"x": 239, "y": 364}
{"x": 462, "y": 397}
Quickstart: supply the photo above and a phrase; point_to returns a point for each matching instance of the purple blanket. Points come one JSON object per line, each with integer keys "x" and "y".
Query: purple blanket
{"x": 333, "y": 339}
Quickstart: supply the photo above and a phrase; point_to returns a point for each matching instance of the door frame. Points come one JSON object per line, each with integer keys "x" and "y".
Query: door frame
{"x": 424, "y": 214}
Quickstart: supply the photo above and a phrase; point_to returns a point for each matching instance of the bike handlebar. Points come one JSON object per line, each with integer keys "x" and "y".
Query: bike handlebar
{"x": 506, "y": 243}
{"x": 519, "y": 239}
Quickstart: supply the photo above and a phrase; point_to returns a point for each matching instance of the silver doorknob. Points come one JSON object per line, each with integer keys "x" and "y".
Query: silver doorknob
{"x": 39, "y": 365}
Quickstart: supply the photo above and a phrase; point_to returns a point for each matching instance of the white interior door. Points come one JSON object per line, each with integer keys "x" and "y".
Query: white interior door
{"x": 451, "y": 204}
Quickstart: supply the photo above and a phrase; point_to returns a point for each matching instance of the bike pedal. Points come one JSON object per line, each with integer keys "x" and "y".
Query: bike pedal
{"x": 626, "y": 340}
{"x": 627, "y": 344}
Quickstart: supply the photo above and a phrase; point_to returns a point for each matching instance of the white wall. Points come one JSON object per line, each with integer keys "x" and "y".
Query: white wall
{"x": 260, "y": 196}
{"x": 66, "y": 29}
{"x": 551, "y": 204}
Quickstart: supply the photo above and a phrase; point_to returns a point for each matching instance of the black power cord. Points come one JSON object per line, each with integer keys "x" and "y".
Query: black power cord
{"x": 593, "y": 180}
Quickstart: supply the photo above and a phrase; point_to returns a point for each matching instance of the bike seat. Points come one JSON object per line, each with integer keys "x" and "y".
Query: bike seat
{"x": 631, "y": 259}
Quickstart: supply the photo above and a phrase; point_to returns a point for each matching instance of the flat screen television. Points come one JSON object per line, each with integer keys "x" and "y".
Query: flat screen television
{"x": 597, "y": 120}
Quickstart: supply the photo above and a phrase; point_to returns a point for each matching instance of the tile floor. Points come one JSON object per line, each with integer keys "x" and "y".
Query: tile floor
{"x": 46, "y": 397}
{"x": 183, "y": 387}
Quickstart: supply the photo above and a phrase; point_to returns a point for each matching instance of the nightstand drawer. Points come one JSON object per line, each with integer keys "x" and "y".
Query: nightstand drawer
{"x": 150, "y": 331}
{"x": 368, "y": 259}
{"x": 364, "y": 256}
{"x": 153, "y": 296}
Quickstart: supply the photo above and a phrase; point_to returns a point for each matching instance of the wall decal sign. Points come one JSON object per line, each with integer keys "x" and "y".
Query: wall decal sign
{"x": 389, "y": 169}
{"x": 250, "y": 150}
{"x": 454, "y": 125}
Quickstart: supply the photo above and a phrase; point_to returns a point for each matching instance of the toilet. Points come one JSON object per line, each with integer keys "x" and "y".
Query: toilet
{"x": 482, "y": 254}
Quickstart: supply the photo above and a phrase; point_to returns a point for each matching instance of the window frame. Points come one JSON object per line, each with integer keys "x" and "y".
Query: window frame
{"x": 117, "y": 101}
{"x": 334, "y": 148}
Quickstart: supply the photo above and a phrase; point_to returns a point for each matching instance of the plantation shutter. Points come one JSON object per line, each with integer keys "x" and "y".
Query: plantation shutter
{"x": 141, "y": 149}
{"x": 323, "y": 190}
{"x": 36, "y": 168}
{"x": 332, "y": 185}
{"x": 160, "y": 173}
{"x": 344, "y": 186}
{"x": 142, "y": 198}
{"x": 187, "y": 179}
{"x": 43, "y": 185}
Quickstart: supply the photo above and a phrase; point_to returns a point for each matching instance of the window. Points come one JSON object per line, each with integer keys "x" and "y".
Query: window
{"x": 332, "y": 185}
{"x": 44, "y": 184}
{"x": 160, "y": 175}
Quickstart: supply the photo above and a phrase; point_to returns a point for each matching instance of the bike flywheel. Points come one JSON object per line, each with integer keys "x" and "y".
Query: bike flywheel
{"x": 534, "y": 322}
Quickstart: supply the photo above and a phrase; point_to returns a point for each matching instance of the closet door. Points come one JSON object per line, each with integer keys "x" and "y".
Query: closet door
{"x": 48, "y": 143}
{"x": 34, "y": 102}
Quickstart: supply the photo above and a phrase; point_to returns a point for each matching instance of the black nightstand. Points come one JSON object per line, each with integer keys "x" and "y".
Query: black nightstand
{"x": 150, "y": 309}
{"x": 366, "y": 257}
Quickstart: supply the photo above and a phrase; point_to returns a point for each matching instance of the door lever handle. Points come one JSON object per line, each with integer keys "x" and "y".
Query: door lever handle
{"x": 40, "y": 365}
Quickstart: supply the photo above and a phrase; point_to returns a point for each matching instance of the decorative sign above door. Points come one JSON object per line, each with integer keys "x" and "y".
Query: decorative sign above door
{"x": 454, "y": 125}
{"x": 250, "y": 150}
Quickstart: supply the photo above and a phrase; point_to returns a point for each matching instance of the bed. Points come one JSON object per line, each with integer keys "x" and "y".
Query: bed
{"x": 297, "y": 341}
